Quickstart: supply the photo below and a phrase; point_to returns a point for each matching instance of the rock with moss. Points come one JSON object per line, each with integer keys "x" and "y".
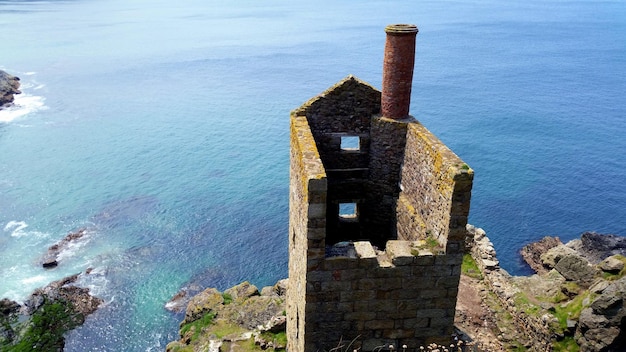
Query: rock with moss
{"x": 202, "y": 304}
{"x": 41, "y": 322}
{"x": 9, "y": 86}
{"x": 239, "y": 319}
{"x": 602, "y": 325}
{"x": 576, "y": 305}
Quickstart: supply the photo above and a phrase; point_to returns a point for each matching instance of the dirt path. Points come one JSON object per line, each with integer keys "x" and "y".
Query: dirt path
{"x": 474, "y": 318}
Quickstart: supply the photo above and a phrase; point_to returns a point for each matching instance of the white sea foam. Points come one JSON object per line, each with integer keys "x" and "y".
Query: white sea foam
{"x": 23, "y": 104}
{"x": 97, "y": 283}
{"x": 35, "y": 279}
{"x": 18, "y": 229}
{"x": 72, "y": 249}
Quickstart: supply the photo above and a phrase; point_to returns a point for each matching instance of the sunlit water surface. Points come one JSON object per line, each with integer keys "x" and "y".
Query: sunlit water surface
{"x": 162, "y": 128}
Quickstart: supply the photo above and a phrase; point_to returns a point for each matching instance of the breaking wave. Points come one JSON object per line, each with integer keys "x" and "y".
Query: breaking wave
{"x": 24, "y": 103}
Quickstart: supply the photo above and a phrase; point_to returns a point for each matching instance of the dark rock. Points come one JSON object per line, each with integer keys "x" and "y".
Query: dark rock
{"x": 255, "y": 312}
{"x": 178, "y": 303}
{"x": 81, "y": 300}
{"x": 9, "y": 86}
{"x": 8, "y": 307}
{"x": 276, "y": 324}
{"x": 576, "y": 268}
{"x": 50, "y": 259}
{"x": 601, "y": 325}
{"x": 532, "y": 252}
{"x": 279, "y": 289}
{"x": 595, "y": 247}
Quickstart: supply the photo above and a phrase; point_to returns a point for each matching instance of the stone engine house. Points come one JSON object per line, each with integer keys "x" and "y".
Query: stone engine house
{"x": 378, "y": 208}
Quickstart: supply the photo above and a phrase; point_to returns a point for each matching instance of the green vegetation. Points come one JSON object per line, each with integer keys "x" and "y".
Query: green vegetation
{"x": 279, "y": 339}
{"x": 222, "y": 328}
{"x": 568, "y": 344}
{"x": 523, "y": 303}
{"x": 470, "y": 268}
{"x": 196, "y": 326}
{"x": 572, "y": 309}
{"x": 613, "y": 277}
{"x": 228, "y": 298}
{"x": 46, "y": 327}
{"x": 432, "y": 242}
{"x": 429, "y": 243}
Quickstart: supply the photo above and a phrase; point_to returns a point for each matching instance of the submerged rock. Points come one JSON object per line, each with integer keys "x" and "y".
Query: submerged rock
{"x": 9, "y": 86}
{"x": 50, "y": 259}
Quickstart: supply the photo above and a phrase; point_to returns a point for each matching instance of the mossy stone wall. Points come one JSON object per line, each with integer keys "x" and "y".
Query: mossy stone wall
{"x": 408, "y": 188}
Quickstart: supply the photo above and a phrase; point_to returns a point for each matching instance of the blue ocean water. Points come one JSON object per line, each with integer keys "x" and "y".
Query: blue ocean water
{"x": 162, "y": 128}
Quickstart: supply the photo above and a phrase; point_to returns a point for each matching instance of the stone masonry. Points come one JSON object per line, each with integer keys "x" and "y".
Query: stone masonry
{"x": 378, "y": 209}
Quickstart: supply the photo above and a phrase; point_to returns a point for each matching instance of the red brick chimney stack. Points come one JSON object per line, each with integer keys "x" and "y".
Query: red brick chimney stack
{"x": 398, "y": 70}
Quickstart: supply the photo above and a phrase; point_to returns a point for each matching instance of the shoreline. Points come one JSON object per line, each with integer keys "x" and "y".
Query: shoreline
{"x": 9, "y": 86}
{"x": 495, "y": 310}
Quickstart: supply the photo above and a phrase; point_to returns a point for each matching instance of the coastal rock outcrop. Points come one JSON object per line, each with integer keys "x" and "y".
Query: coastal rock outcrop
{"x": 595, "y": 247}
{"x": 602, "y": 325}
{"x": 239, "y": 316}
{"x": 50, "y": 259}
{"x": 588, "y": 305}
{"x": 531, "y": 253}
{"x": 9, "y": 86}
{"x": 47, "y": 314}
{"x": 576, "y": 268}
{"x": 79, "y": 299}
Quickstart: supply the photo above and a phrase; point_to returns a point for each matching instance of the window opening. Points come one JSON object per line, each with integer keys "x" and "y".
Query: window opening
{"x": 350, "y": 143}
{"x": 347, "y": 210}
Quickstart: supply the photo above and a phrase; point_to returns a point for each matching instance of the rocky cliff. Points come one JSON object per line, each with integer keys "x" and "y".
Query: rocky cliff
{"x": 238, "y": 319}
{"x": 573, "y": 303}
{"x": 9, "y": 86}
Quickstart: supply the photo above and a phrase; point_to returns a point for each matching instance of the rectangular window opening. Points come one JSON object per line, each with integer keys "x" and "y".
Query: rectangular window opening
{"x": 352, "y": 143}
{"x": 348, "y": 211}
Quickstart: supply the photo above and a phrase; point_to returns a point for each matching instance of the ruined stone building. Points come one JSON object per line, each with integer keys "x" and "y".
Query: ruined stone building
{"x": 378, "y": 208}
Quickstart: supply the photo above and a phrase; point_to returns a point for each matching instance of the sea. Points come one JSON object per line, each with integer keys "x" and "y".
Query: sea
{"x": 162, "y": 128}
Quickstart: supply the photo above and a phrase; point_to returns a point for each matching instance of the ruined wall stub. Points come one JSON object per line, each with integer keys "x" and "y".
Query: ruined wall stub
{"x": 388, "y": 272}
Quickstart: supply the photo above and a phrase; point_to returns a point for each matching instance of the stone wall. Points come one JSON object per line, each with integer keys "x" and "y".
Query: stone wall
{"x": 404, "y": 295}
{"x": 344, "y": 110}
{"x": 436, "y": 191}
{"x": 341, "y": 287}
{"x": 388, "y": 142}
{"x": 533, "y": 328}
{"x": 307, "y": 224}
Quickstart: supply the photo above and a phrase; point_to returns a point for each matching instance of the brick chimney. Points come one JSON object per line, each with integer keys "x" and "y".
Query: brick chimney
{"x": 398, "y": 70}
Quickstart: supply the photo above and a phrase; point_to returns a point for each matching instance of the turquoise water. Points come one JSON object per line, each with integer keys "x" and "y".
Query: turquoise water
{"x": 162, "y": 128}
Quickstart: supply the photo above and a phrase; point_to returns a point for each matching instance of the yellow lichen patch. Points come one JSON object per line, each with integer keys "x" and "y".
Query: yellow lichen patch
{"x": 305, "y": 151}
